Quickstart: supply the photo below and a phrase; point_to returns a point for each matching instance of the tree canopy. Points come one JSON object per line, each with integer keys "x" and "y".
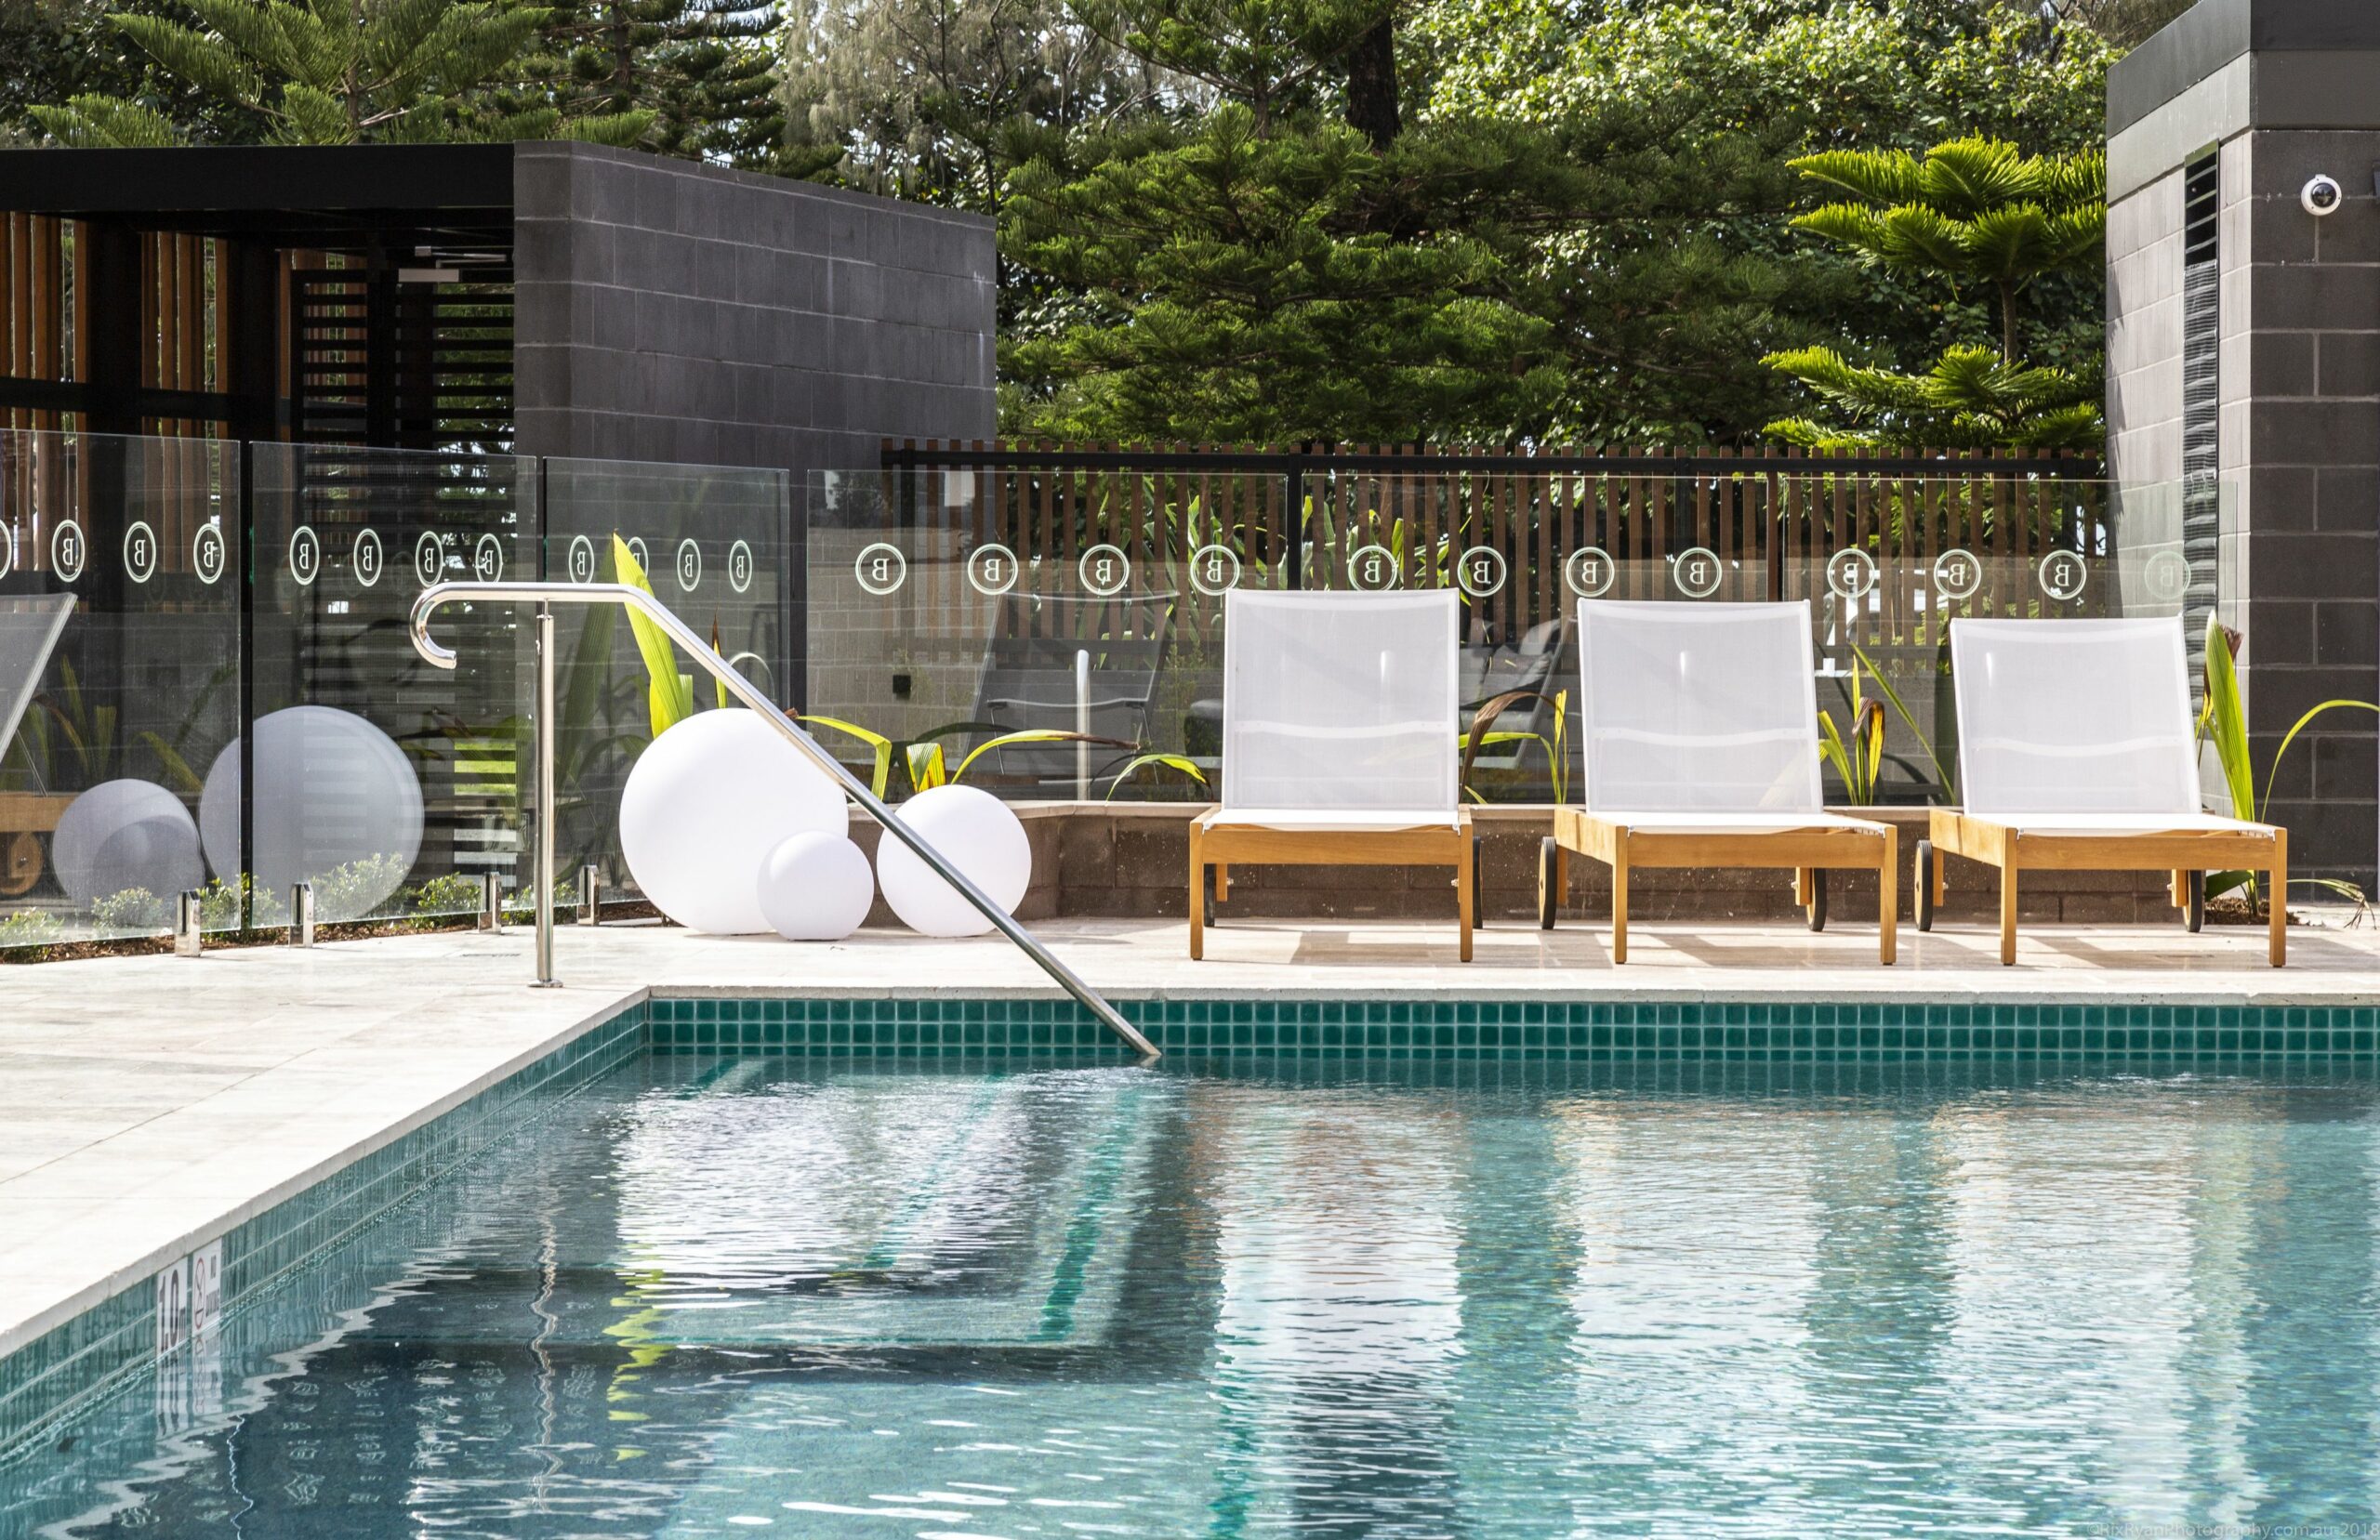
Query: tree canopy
{"x": 1273, "y": 220}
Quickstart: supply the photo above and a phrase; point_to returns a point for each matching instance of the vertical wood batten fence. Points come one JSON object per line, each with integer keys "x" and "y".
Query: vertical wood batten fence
{"x": 1771, "y": 520}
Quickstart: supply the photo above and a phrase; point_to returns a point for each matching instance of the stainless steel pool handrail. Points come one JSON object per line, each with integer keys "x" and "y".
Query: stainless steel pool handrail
{"x": 544, "y": 595}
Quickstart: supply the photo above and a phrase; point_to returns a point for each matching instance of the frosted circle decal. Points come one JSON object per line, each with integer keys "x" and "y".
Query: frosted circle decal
{"x": 305, "y": 555}
{"x": 992, "y": 569}
{"x": 1374, "y": 569}
{"x": 206, "y": 553}
{"x": 1214, "y": 570}
{"x": 1481, "y": 571}
{"x": 1104, "y": 569}
{"x": 1590, "y": 572}
{"x": 140, "y": 551}
{"x": 366, "y": 559}
{"x": 1697, "y": 571}
{"x": 69, "y": 548}
{"x": 1957, "y": 573}
{"x": 1851, "y": 574}
{"x": 2063, "y": 573}
{"x": 882, "y": 569}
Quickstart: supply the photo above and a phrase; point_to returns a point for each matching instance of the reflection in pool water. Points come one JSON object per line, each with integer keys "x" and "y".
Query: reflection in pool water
{"x": 716, "y": 1297}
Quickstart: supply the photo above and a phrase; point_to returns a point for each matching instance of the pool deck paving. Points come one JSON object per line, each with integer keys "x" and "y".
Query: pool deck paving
{"x": 148, "y": 1104}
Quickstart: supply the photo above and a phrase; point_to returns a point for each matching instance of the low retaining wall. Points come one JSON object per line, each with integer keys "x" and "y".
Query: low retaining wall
{"x": 1130, "y": 861}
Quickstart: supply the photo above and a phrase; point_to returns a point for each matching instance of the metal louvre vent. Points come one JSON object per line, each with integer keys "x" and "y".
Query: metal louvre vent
{"x": 2202, "y": 395}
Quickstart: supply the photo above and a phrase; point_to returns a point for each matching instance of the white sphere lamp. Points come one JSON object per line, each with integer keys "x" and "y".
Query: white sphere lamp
{"x": 706, "y": 804}
{"x": 122, "y": 835}
{"x": 976, "y": 833}
{"x": 332, "y": 791}
{"x": 816, "y": 888}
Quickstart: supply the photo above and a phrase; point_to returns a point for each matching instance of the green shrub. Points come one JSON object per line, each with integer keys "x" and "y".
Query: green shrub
{"x": 452, "y": 894}
{"x": 349, "y": 892}
{"x": 134, "y": 909}
{"x": 30, "y": 928}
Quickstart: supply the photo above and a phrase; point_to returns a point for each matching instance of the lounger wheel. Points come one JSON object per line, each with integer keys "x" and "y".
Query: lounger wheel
{"x": 2194, "y": 903}
{"x": 1924, "y": 884}
{"x": 1549, "y": 897}
{"x": 1817, "y": 909}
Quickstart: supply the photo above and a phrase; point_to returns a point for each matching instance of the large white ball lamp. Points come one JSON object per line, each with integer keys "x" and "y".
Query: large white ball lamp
{"x": 121, "y": 834}
{"x": 332, "y": 791}
{"x": 816, "y": 888}
{"x": 976, "y": 833}
{"x": 706, "y": 804}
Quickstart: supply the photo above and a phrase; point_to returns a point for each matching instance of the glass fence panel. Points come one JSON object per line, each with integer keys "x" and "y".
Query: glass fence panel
{"x": 394, "y": 787}
{"x": 119, "y": 683}
{"x": 950, "y": 612}
{"x": 950, "y": 606}
{"x": 710, "y": 541}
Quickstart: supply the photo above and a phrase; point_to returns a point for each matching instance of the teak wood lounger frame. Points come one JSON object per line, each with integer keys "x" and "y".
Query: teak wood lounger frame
{"x": 1218, "y": 847}
{"x": 2186, "y": 853}
{"x": 1808, "y": 851}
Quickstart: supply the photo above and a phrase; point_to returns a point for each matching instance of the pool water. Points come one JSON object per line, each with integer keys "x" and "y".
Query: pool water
{"x": 726, "y": 1296}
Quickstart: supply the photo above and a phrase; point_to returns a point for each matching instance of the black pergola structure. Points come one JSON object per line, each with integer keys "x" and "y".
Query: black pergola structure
{"x": 353, "y": 293}
{"x": 548, "y": 298}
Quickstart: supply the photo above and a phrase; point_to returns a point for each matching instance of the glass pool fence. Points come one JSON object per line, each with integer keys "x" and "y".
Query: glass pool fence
{"x": 205, "y": 683}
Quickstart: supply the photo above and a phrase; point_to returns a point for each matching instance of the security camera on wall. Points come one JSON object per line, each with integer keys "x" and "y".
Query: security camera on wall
{"x": 2322, "y": 196}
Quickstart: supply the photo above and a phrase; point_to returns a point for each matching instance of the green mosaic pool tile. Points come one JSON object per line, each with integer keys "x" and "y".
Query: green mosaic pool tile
{"x": 1597, "y": 1031}
{"x": 117, "y": 1337}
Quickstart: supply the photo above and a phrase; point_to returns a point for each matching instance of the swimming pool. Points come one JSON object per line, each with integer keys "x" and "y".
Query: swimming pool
{"x": 713, "y": 1294}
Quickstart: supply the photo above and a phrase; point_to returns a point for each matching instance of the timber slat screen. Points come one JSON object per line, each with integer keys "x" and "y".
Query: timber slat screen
{"x": 1965, "y": 526}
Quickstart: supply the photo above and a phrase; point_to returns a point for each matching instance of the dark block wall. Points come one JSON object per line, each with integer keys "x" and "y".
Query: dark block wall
{"x": 667, "y": 310}
{"x": 2299, "y": 380}
{"x": 2310, "y": 476}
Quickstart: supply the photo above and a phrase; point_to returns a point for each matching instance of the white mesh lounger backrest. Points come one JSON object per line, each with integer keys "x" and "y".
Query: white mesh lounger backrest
{"x": 1340, "y": 701}
{"x": 2074, "y": 716}
{"x": 1698, "y": 707}
{"x": 29, "y": 632}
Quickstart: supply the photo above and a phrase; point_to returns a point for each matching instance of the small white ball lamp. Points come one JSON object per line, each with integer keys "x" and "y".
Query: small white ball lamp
{"x": 121, "y": 834}
{"x": 816, "y": 888}
{"x": 707, "y": 805}
{"x": 976, "y": 833}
